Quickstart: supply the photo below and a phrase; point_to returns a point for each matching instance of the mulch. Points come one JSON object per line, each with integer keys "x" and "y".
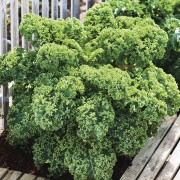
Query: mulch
{"x": 18, "y": 160}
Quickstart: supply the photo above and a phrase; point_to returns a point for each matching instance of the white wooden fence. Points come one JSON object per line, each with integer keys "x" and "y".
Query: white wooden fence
{"x": 10, "y": 12}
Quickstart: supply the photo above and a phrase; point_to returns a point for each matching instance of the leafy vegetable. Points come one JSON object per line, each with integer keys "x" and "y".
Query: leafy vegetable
{"x": 90, "y": 92}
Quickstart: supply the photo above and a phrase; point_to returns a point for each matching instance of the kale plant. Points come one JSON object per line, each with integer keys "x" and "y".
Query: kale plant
{"x": 166, "y": 14}
{"x": 89, "y": 92}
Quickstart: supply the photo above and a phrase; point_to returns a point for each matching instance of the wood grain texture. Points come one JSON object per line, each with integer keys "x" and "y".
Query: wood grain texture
{"x": 24, "y": 10}
{"x": 161, "y": 154}
{"x": 172, "y": 165}
{"x": 3, "y": 28}
{"x": 5, "y": 105}
{"x": 63, "y": 9}
{"x": 35, "y": 7}
{"x": 14, "y": 23}
{"x": 45, "y": 8}
{"x": 28, "y": 177}
{"x": 13, "y": 175}
{"x": 142, "y": 158}
{"x": 75, "y": 8}
{"x": 3, "y": 172}
{"x": 17, "y": 175}
{"x": 177, "y": 176}
{"x": 54, "y": 10}
{"x": 3, "y": 49}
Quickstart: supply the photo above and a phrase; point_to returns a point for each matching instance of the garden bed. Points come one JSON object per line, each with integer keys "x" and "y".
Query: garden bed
{"x": 89, "y": 92}
{"x": 19, "y": 160}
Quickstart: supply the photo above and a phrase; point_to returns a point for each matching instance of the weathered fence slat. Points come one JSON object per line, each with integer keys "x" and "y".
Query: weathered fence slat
{"x": 54, "y": 10}
{"x": 89, "y": 4}
{"x": 35, "y": 10}
{"x": 12, "y": 175}
{"x": 3, "y": 172}
{"x": 5, "y": 105}
{"x": 75, "y": 8}
{"x": 143, "y": 157}
{"x": 177, "y": 176}
{"x": 28, "y": 177}
{"x": 3, "y": 49}
{"x": 35, "y": 6}
{"x": 45, "y": 8}
{"x": 14, "y": 23}
{"x": 161, "y": 154}
{"x": 24, "y": 10}
{"x": 63, "y": 9}
{"x": 172, "y": 165}
{"x": 3, "y": 27}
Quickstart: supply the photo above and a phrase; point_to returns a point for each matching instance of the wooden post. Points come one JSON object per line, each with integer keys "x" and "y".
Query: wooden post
{"x": 75, "y": 8}
{"x": 3, "y": 49}
{"x": 3, "y": 28}
{"x": 45, "y": 8}
{"x": 35, "y": 7}
{"x": 54, "y": 9}
{"x": 24, "y": 10}
{"x": 63, "y": 9}
{"x": 35, "y": 10}
{"x": 14, "y": 23}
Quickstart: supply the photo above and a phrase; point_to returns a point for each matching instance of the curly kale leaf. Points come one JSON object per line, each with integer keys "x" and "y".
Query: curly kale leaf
{"x": 127, "y": 8}
{"x": 125, "y": 48}
{"x": 89, "y": 92}
{"x": 94, "y": 163}
{"x": 39, "y": 30}
{"x": 99, "y": 17}
{"x": 129, "y": 134}
{"x": 125, "y": 22}
{"x": 155, "y": 80}
{"x": 94, "y": 119}
{"x": 156, "y": 9}
{"x": 54, "y": 105}
{"x": 21, "y": 119}
{"x": 56, "y": 58}
{"x": 111, "y": 81}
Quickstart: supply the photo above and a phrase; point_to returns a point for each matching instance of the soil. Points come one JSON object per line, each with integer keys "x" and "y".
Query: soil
{"x": 18, "y": 160}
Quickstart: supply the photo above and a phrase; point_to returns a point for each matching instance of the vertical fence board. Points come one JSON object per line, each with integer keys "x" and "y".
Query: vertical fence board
{"x": 45, "y": 8}
{"x": 14, "y": 23}
{"x": 75, "y": 8}
{"x": 24, "y": 10}
{"x": 35, "y": 10}
{"x": 63, "y": 9}
{"x": 3, "y": 27}
{"x": 5, "y": 105}
{"x": 3, "y": 49}
{"x": 35, "y": 6}
{"x": 89, "y": 4}
{"x": 54, "y": 9}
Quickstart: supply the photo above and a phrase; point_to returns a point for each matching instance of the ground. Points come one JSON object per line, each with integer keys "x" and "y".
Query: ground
{"x": 18, "y": 160}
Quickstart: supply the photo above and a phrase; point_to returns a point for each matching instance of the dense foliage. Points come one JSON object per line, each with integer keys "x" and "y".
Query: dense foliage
{"x": 166, "y": 14}
{"x": 90, "y": 92}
